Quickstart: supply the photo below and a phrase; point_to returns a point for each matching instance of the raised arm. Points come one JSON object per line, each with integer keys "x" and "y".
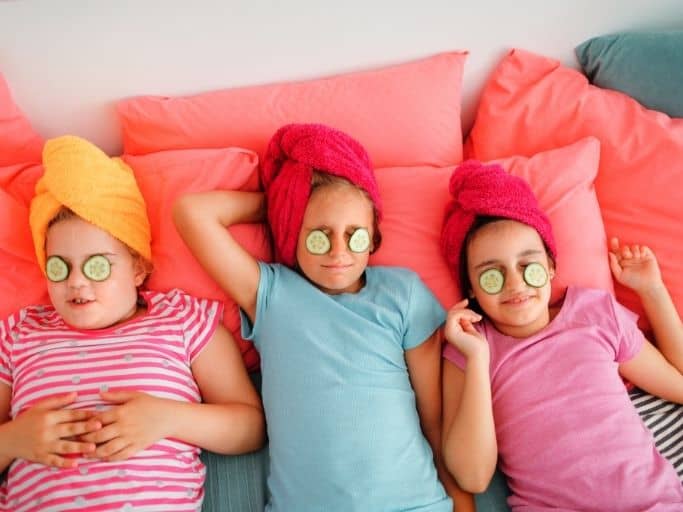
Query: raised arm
{"x": 469, "y": 437}
{"x": 635, "y": 266}
{"x": 651, "y": 372}
{"x": 202, "y": 219}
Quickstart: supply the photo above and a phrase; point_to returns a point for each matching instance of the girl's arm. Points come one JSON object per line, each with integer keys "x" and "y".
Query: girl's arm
{"x": 229, "y": 420}
{"x": 635, "y": 266}
{"x": 469, "y": 437}
{"x": 424, "y": 368}
{"x": 650, "y": 371}
{"x": 202, "y": 219}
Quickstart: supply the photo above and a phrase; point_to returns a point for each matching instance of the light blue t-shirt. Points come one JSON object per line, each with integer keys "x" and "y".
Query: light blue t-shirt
{"x": 342, "y": 420}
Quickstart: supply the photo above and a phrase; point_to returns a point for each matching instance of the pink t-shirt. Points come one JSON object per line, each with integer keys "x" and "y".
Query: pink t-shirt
{"x": 568, "y": 436}
{"x": 40, "y": 356}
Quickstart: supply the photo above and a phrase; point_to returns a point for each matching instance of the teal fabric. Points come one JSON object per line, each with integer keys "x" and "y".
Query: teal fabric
{"x": 236, "y": 483}
{"x": 648, "y": 66}
{"x": 494, "y": 499}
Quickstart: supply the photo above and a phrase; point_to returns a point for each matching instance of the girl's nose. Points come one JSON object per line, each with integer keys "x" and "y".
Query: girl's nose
{"x": 514, "y": 280}
{"x": 338, "y": 244}
{"x": 76, "y": 278}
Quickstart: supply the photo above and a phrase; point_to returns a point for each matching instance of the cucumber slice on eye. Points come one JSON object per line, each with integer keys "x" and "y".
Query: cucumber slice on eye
{"x": 491, "y": 281}
{"x": 535, "y": 275}
{"x": 97, "y": 268}
{"x": 56, "y": 269}
{"x": 317, "y": 242}
{"x": 360, "y": 240}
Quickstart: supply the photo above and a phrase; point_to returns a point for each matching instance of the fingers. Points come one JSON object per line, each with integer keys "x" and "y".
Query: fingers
{"x": 77, "y": 428}
{"x": 65, "y": 447}
{"x": 55, "y": 402}
{"x": 112, "y": 449}
{"x": 119, "y": 397}
{"x": 59, "y": 462}
{"x": 103, "y": 435}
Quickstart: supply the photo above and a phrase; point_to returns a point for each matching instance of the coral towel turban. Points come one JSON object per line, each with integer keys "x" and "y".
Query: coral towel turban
{"x": 294, "y": 152}
{"x": 487, "y": 190}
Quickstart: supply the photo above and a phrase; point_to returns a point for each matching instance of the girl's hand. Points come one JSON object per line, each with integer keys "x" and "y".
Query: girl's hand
{"x": 634, "y": 266}
{"x": 136, "y": 422}
{"x": 47, "y": 433}
{"x": 460, "y": 332}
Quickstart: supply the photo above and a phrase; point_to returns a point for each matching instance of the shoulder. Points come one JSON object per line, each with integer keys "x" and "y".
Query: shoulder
{"x": 596, "y": 306}
{"x": 394, "y": 277}
{"x": 177, "y": 300}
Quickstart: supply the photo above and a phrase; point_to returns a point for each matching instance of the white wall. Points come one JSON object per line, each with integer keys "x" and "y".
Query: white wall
{"x": 68, "y": 61}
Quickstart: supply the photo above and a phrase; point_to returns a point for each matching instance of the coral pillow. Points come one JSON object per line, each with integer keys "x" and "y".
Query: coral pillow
{"x": 162, "y": 177}
{"x": 18, "y": 142}
{"x": 415, "y": 201}
{"x": 532, "y": 104}
{"x": 21, "y": 282}
{"x": 408, "y": 114}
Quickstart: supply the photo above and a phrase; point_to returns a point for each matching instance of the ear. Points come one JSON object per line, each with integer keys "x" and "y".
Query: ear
{"x": 141, "y": 271}
{"x": 551, "y": 268}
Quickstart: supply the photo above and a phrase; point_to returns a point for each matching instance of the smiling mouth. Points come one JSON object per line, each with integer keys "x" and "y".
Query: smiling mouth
{"x": 79, "y": 302}
{"x": 518, "y": 300}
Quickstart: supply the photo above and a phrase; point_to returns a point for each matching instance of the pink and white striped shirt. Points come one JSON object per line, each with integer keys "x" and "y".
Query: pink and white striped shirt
{"x": 40, "y": 357}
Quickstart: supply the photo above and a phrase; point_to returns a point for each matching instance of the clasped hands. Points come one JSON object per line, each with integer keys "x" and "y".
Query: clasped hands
{"x": 51, "y": 434}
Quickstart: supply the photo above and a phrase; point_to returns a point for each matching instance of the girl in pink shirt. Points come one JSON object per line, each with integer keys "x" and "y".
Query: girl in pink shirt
{"x": 107, "y": 394}
{"x": 537, "y": 388}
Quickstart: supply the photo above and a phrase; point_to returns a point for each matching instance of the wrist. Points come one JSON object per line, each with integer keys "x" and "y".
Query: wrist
{"x": 654, "y": 291}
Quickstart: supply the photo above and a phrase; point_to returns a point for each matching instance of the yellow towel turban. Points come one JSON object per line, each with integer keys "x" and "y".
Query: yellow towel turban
{"x": 99, "y": 189}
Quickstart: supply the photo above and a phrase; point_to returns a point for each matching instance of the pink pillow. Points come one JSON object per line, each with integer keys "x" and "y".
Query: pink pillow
{"x": 415, "y": 200}
{"x": 162, "y": 177}
{"x": 18, "y": 142}
{"x": 21, "y": 281}
{"x": 531, "y": 104}
{"x": 408, "y": 114}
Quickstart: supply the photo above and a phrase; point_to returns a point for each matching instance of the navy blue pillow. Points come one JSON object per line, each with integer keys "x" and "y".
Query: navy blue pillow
{"x": 648, "y": 66}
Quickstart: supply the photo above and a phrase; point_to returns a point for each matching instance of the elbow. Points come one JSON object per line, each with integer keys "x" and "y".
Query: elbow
{"x": 471, "y": 476}
{"x": 474, "y": 484}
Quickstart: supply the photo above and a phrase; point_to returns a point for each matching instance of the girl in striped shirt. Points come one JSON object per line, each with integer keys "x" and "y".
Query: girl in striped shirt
{"x": 108, "y": 394}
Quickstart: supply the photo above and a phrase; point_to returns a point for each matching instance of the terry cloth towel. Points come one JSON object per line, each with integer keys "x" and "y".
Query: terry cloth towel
{"x": 99, "y": 189}
{"x": 487, "y": 190}
{"x": 294, "y": 152}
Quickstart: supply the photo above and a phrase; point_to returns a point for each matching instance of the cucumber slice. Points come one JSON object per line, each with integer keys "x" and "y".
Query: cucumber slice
{"x": 360, "y": 240}
{"x": 535, "y": 275}
{"x": 56, "y": 269}
{"x": 317, "y": 242}
{"x": 491, "y": 281}
{"x": 96, "y": 268}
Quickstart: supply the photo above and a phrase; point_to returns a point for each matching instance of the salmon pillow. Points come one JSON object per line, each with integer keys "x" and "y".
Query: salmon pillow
{"x": 19, "y": 143}
{"x": 415, "y": 199}
{"x": 21, "y": 281}
{"x": 165, "y": 175}
{"x": 532, "y": 103}
{"x": 408, "y": 114}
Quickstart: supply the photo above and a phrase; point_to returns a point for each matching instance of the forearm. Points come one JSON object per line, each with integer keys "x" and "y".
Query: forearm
{"x": 6, "y": 442}
{"x": 666, "y": 324}
{"x": 227, "y": 207}
{"x": 223, "y": 428}
{"x": 469, "y": 444}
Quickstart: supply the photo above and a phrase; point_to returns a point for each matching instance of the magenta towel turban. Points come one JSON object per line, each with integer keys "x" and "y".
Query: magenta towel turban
{"x": 487, "y": 190}
{"x": 294, "y": 152}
